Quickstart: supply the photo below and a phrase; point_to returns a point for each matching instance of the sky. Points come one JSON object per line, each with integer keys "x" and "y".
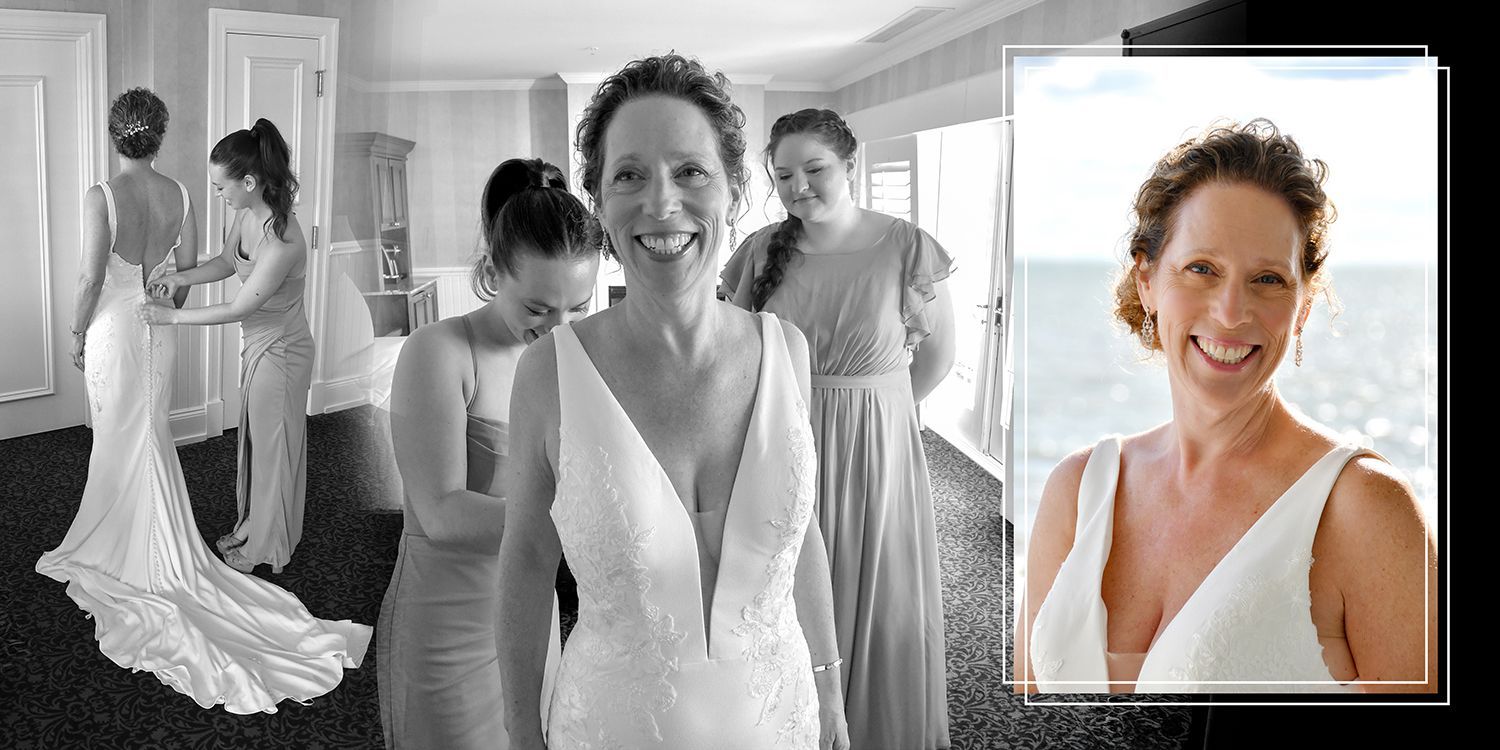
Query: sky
{"x": 1093, "y": 126}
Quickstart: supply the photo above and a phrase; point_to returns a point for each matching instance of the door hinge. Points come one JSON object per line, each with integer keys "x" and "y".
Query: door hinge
{"x": 315, "y": 237}
{"x": 320, "y": 83}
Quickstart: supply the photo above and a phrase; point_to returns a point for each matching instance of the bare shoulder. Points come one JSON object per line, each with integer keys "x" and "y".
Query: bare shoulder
{"x": 536, "y": 378}
{"x": 291, "y": 239}
{"x": 1372, "y": 504}
{"x": 438, "y": 340}
{"x": 432, "y": 355}
{"x": 1062, "y": 484}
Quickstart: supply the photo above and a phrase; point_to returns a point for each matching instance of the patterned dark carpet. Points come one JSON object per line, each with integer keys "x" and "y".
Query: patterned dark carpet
{"x": 974, "y": 540}
{"x": 58, "y": 691}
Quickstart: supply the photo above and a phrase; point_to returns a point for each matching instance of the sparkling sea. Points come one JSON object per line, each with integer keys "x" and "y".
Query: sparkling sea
{"x": 1370, "y": 374}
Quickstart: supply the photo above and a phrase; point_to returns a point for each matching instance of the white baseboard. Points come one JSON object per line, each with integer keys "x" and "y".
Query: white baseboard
{"x": 190, "y": 425}
{"x": 337, "y": 395}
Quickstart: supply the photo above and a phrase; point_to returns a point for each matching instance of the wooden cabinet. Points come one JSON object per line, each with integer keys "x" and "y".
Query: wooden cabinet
{"x": 370, "y": 208}
{"x": 403, "y": 307}
{"x": 370, "y": 204}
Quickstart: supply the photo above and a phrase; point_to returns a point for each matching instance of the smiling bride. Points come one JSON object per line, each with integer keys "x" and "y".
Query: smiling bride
{"x": 1240, "y": 547}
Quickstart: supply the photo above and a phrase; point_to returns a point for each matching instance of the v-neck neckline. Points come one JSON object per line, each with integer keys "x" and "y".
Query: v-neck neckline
{"x": 682, "y": 511}
{"x": 1162, "y": 631}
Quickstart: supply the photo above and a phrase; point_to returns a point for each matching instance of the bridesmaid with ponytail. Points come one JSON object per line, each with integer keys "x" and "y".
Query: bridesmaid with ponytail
{"x": 450, "y": 410}
{"x": 867, "y": 290}
{"x": 252, "y": 171}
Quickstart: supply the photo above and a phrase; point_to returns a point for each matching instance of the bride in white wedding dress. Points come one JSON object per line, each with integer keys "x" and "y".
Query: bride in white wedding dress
{"x": 133, "y": 557}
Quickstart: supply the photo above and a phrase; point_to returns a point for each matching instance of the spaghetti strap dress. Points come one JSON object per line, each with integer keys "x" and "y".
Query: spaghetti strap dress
{"x": 439, "y": 668}
{"x": 276, "y": 362}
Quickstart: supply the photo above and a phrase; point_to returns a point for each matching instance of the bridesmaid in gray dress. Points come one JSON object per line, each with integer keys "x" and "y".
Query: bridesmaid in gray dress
{"x": 450, "y": 408}
{"x": 251, "y": 170}
{"x": 867, "y": 291}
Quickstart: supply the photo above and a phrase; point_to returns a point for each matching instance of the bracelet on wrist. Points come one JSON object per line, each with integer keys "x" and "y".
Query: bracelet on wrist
{"x": 830, "y": 665}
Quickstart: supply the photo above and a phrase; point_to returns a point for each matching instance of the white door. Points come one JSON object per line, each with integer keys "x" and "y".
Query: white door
{"x": 52, "y": 114}
{"x": 270, "y": 66}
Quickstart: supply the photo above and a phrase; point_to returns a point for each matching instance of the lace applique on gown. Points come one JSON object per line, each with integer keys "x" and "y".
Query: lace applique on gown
{"x": 639, "y": 670}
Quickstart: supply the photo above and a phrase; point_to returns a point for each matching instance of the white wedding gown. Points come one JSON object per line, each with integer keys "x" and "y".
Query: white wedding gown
{"x": 134, "y": 560}
{"x": 1248, "y": 627}
{"x": 641, "y": 670}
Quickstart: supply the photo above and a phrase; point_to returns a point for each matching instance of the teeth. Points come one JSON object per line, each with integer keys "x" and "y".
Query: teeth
{"x": 1229, "y": 355}
{"x": 667, "y": 244}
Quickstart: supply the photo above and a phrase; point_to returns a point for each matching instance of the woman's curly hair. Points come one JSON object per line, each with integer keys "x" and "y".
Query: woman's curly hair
{"x": 669, "y": 75}
{"x": 1255, "y": 153}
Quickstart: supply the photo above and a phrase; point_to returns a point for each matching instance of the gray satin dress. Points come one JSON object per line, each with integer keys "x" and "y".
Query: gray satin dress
{"x": 863, "y": 310}
{"x": 276, "y": 363}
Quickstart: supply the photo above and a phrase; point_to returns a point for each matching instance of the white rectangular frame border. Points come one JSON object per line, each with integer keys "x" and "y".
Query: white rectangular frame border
{"x": 1008, "y": 54}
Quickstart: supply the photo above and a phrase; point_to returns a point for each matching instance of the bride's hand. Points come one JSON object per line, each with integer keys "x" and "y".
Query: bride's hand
{"x": 78, "y": 353}
{"x": 158, "y": 314}
{"x": 835, "y": 728}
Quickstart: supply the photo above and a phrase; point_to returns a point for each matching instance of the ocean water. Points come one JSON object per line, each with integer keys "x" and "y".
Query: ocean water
{"x": 1369, "y": 373}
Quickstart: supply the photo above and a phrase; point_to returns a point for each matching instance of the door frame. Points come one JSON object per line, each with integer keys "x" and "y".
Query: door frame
{"x": 87, "y": 31}
{"x": 221, "y": 23}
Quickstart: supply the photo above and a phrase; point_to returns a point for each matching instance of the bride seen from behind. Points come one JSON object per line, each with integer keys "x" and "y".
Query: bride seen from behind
{"x": 133, "y": 557}
{"x": 251, "y": 170}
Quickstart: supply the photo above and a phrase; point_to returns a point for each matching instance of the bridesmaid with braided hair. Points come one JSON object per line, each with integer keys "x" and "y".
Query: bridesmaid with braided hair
{"x": 867, "y": 291}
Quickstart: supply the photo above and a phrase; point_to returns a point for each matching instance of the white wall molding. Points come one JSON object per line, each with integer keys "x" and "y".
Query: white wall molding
{"x": 191, "y": 425}
{"x": 801, "y": 86}
{"x": 943, "y": 31}
{"x": 37, "y": 87}
{"x": 496, "y": 84}
{"x": 454, "y": 294}
{"x": 337, "y": 395}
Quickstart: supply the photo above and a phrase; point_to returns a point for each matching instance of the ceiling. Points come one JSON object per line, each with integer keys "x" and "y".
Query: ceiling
{"x": 794, "y": 44}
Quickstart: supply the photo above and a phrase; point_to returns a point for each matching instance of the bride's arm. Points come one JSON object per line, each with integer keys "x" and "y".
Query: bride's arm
{"x": 428, "y": 421}
{"x": 813, "y": 590}
{"x": 1376, "y": 558}
{"x": 91, "y": 271}
{"x": 530, "y": 549}
{"x": 185, "y": 256}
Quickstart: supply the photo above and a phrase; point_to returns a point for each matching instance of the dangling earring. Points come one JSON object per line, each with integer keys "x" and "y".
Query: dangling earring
{"x": 605, "y": 249}
{"x": 1298, "y": 358}
{"x": 734, "y": 237}
{"x": 1148, "y": 329}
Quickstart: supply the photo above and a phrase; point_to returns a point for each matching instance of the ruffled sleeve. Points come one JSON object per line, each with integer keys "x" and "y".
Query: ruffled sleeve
{"x": 926, "y": 264}
{"x": 737, "y": 280}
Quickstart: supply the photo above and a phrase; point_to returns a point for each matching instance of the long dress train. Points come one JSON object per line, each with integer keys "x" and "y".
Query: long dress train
{"x": 134, "y": 560}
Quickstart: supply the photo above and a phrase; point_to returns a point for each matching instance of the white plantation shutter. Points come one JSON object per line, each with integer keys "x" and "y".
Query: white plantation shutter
{"x": 890, "y": 189}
